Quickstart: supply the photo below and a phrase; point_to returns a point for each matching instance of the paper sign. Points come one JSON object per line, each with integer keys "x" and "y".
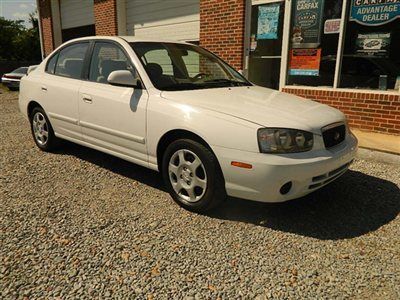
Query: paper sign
{"x": 373, "y": 44}
{"x": 304, "y": 62}
{"x": 268, "y": 21}
{"x": 332, "y": 26}
{"x": 374, "y": 12}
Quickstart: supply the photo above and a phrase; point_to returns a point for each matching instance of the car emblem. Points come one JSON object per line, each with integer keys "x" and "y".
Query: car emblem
{"x": 337, "y": 136}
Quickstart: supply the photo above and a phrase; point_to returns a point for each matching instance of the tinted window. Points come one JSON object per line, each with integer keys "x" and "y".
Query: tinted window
{"x": 21, "y": 70}
{"x": 107, "y": 58}
{"x": 51, "y": 64}
{"x": 70, "y": 60}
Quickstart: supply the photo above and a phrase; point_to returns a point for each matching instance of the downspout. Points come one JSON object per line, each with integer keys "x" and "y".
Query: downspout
{"x": 40, "y": 29}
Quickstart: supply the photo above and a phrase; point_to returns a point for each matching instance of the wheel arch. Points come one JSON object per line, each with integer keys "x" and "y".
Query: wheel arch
{"x": 177, "y": 134}
{"x": 31, "y": 105}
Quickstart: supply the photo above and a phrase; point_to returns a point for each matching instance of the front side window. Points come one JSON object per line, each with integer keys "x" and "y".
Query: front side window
{"x": 175, "y": 67}
{"x": 51, "y": 64}
{"x": 70, "y": 60}
{"x": 106, "y": 58}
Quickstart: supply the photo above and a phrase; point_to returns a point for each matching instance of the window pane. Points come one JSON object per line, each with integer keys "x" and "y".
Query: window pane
{"x": 160, "y": 57}
{"x": 51, "y": 64}
{"x": 70, "y": 60}
{"x": 371, "y": 51}
{"x": 107, "y": 58}
{"x": 314, "y": 42}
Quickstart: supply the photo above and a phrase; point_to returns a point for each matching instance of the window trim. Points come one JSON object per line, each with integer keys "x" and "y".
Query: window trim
{"x": 58, "y": 54}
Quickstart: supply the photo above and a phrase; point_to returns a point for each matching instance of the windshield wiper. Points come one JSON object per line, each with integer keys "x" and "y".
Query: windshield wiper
{"x": 223, "y": 80}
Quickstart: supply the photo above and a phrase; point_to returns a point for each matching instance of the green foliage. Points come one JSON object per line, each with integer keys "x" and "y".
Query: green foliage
{"x": 18, "y": 42}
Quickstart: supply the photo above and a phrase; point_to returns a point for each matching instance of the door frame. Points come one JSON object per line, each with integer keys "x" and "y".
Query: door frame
{"x": 285, "y": 37}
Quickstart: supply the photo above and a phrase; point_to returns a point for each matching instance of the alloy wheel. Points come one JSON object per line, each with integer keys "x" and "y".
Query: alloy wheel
{"x": 187, "y": 175}
{"x": 40, "y": 128}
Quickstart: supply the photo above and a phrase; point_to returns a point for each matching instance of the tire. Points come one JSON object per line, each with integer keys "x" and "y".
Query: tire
{"x": 42, "y": 131}
{"x": 197, "y": 187}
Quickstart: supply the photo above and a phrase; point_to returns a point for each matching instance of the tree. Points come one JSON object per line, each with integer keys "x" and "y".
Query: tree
{"x": 18, "y": 43}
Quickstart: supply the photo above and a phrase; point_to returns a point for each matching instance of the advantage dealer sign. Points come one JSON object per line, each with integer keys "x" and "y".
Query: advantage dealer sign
{"x": 374, "y": 12}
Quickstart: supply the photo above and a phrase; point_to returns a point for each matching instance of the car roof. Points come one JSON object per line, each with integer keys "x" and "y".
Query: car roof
{"x": 129, "y": 39}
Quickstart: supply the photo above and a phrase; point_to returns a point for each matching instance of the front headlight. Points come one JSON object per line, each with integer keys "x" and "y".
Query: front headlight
{"x": 281, "y": 140}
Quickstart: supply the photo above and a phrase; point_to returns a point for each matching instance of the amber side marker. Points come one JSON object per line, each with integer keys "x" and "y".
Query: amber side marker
{"x": 241, "y": 165}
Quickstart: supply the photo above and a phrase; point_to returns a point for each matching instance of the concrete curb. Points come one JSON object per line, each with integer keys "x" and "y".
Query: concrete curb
{"x": 378, "y": 156}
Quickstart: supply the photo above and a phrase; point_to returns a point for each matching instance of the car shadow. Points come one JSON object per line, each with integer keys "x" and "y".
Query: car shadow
{"x": 353, "y": 205}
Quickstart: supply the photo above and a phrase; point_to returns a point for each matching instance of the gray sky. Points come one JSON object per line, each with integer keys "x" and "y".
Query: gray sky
{"x": 17, "y": 9}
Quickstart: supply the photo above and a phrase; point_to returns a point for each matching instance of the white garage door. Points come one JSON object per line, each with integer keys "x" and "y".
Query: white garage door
{"x": 164, "y": 19}
{"x": 76, "y": 13}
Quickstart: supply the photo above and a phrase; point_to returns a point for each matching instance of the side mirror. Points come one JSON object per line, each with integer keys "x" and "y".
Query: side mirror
{"x": 124, "y": 78}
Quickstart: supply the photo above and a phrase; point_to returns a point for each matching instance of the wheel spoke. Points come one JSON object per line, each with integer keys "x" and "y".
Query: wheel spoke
{"x": 177, "y": 187}
{"x": 173, "y": 169}
{"x": 181, "y": 156}
{"x": 191, "y": 193}
{"x": 196, "y": 163}
{"x": 200, "y": 182}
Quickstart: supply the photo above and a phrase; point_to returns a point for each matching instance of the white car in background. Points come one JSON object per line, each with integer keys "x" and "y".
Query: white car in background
{"x": 179, "y": 109}
{"x": 12, "y": 79}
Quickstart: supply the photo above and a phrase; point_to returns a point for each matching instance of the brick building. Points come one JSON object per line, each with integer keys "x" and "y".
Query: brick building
{"x": 344, "y": 53}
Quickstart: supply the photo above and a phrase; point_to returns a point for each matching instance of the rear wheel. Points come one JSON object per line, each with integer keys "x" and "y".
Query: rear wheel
{"x": 192, "y": 175}
{"x": 42, "y": 131}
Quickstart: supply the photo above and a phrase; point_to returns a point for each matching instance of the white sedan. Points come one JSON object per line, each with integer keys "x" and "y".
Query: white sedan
{"x": 179, "y": 109}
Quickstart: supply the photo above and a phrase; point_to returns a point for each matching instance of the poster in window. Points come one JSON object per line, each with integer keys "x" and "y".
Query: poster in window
{"x": 373, "y": 44}
{"x": 304, "y": 62}
{"x": 374, "y": 12}
{"x": 268, "y": 21}
{"x": 307, "y": 23}
{"x": 332, "y": 26}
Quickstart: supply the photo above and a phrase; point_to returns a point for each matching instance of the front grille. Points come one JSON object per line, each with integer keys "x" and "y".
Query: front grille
{"x": 323, "y": 179}
{"x": 334, "y": 135}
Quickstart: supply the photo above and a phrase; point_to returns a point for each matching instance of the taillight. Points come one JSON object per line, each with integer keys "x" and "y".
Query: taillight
{"x": 12, "y": 77}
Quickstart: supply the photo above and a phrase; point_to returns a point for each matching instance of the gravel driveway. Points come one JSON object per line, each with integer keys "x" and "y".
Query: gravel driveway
{"x": 79, "y": 223}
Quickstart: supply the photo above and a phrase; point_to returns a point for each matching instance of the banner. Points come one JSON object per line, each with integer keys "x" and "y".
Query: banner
{"x": 374, "y": 12}
{"x": 373, "y": 44}
{"x": 268, "y": 21}
{"x": 307, "y": 23}
{"x": 304, "y": 62}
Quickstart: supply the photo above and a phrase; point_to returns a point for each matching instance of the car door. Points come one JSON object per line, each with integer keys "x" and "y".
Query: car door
{"x": 60, "y": 89}
{"x": 113, "y": 117}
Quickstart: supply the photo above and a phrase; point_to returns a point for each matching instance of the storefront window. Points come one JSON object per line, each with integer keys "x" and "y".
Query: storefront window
{"x": 371, "y": 57}
{"x": 313, "y": 42}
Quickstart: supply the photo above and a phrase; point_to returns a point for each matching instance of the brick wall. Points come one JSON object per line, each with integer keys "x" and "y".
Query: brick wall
{"x": 47, "y": 26}
{"x": 377, "y": 112}
{"x": 222, "y": 29}
{"x": 105, "y": 15}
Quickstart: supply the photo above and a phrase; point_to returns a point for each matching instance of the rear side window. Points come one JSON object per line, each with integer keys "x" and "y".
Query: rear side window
{"x": 51, "y": 64}
{"x": 70, "y": 60}
{"x": 107, "y": 58}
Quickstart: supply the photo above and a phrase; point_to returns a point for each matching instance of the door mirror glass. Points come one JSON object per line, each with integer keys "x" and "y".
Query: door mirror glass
{"x": 123, "y": 78}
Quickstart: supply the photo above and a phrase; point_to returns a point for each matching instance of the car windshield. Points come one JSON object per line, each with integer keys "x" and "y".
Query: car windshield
{"x": 177, "y": 67}
{"x": 21, "y": 70}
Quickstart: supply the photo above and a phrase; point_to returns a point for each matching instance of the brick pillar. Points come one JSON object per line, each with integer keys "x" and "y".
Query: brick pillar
{"x": 105, "y": 15}
{"x": 222, "y": 29}
{"x": 46, "y": 23}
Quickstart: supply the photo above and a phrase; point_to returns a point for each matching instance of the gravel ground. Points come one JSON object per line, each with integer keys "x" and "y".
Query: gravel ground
{"x": 79, "y": 223}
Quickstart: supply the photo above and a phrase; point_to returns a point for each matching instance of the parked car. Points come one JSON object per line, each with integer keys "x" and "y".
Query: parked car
{"x": 12, "y": 79}
{"x": 179, "y": 109}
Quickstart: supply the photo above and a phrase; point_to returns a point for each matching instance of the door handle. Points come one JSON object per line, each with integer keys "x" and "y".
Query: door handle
{"x": 87, "y": 99}
{"x": 44, "y": 88}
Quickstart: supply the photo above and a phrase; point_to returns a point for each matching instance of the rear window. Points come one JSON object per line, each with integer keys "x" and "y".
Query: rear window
{"x": 70, "y": 60}
{"x": 21, "y": 70}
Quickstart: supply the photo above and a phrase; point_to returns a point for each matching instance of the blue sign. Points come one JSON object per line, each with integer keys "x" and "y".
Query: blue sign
{"x": 268, "y": 21}
{"x": 374, "y": 12}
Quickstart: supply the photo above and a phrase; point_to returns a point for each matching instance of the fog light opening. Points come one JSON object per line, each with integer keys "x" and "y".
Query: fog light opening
{"x": 285, "y": 189}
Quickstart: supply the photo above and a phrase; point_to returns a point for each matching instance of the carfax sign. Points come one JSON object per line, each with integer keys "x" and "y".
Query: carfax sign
{"x": 374, "y": 12}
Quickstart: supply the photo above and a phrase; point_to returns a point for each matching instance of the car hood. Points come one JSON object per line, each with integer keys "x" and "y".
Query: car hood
{"x": 262, "y": 106}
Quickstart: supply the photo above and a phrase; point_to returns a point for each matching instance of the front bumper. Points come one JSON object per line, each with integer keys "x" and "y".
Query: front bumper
{"x": 306, "y": 171}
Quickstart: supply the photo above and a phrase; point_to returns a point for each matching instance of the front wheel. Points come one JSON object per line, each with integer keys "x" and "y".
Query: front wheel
{"x": 193, "y": 176}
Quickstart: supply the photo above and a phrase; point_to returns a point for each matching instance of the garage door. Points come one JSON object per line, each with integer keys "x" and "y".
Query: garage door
{"x": 160, "y": 19}
{"x": 76, "y": 13}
